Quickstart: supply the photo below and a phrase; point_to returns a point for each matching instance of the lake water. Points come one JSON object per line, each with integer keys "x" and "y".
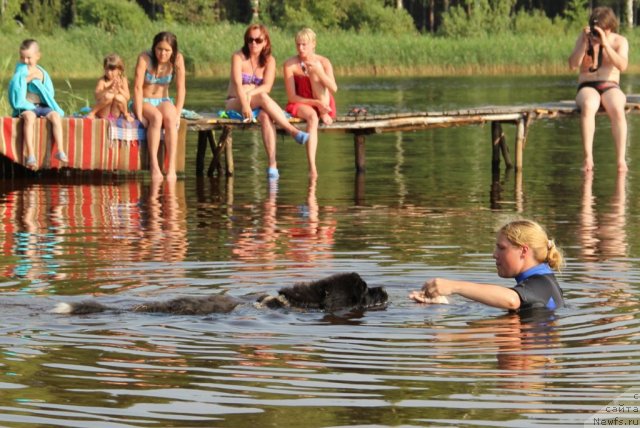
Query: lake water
{"x": 427, "y": 206}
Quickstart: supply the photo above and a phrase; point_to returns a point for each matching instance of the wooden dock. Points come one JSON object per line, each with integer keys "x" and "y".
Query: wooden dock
{"x": 95, "y": 145}
{"x": 363, "y": 125}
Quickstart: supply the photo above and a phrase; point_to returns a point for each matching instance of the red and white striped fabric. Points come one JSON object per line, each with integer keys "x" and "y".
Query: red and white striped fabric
{"x": 86, "y": 142}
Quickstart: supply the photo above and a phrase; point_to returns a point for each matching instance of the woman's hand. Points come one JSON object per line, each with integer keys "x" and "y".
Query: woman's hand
{"x": 433, "y": 291}
{"x": 246, "y": 111}
{"x": 323, "y": 108}
{"x": 600, "y": 37}
{"x": 313, "y": 67}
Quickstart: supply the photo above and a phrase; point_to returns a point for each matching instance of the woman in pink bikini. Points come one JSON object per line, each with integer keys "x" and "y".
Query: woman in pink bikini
{"x": 253, "y": 71}
{"x": 151, "y": 102}
{"x": 310, "y": 85}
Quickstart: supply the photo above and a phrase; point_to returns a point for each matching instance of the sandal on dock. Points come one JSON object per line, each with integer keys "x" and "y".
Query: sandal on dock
{"x": 62, "y": 157}
{"x": 357, "y": 111}
{"x": 31, "y": 162}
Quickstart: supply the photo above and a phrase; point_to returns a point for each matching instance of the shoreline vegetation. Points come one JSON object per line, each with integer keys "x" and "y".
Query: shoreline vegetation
{"x": 78, "y": 52}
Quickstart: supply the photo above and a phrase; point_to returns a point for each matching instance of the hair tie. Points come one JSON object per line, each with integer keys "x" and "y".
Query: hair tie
{"x": 549, "y": 244}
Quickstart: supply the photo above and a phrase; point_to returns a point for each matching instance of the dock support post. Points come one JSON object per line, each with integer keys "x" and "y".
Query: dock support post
{"x": 496, "y": 136}
{"x": 227, "y": 140}
{"x": 200, "y": 153}
{"x": 358, "y": 140}
{"x": 520, "y": 136}
{"x": 216, "y": 149}
{"x": 499, "y": 146}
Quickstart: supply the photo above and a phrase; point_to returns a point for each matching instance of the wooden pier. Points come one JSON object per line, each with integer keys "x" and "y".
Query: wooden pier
{"x": 98, "y": 146}
{"x": 95, "y": 146}
{"x": 363, "y": 125}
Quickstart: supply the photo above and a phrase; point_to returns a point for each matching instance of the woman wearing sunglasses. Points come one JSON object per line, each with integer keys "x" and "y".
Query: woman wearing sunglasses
{"x": 252, "y": 74}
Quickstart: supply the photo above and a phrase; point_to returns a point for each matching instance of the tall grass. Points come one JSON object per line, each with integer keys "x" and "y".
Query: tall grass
{"x": 78, "y": 52}
{"x": 5, "y": 76}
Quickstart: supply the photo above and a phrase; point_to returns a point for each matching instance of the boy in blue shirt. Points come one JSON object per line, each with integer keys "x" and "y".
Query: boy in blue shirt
{"x": 31, "y": 95}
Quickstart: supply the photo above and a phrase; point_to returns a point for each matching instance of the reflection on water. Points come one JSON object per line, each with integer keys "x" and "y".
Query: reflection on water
{"x": 604, "y": 238}
{"x": 82, "y": 232}
{"x": 427, "y": 206}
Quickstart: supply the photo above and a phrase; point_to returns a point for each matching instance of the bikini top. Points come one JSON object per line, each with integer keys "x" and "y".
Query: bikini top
{"x": 251, "y": 79}
{"x": 152, "y": 79}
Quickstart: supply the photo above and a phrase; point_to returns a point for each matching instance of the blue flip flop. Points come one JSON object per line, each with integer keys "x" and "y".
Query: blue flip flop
{"x": 273, "y": 173}
{"x": 301, "y": 137}
{"x": 31, "y": 162}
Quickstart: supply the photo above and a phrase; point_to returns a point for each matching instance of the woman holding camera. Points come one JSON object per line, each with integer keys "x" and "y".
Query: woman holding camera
{"x": 601, "y": 55}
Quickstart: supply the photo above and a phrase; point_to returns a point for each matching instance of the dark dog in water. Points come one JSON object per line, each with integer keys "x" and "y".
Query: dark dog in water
{"x": 346, "y": 291}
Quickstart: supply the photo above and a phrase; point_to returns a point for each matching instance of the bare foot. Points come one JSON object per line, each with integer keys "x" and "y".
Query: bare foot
{"x": 326, "y": 119}
{"x": 313, "y": 174}
{"x": 622, "y": 166}
{"x": 156, "y": 175}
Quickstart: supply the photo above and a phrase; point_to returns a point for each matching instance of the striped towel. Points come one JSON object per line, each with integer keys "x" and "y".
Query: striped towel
{"x": 123, "y": 131}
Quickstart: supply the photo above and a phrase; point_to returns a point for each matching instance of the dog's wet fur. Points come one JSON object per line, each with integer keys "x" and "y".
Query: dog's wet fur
{"x": 345, "y": 291}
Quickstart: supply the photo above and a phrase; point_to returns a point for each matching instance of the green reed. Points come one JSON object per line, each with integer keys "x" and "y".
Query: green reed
{"x": 78, "y": 52}
{"x": 5, "y": 76}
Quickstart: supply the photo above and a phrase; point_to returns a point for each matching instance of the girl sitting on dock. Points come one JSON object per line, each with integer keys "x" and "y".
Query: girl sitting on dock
{"x": 310, "y": 85}
{"x": 151, "y": 103}
{"x": 252, "y": 76}
{"x": 112, "y": 91}
{"x": 523, "y": 251}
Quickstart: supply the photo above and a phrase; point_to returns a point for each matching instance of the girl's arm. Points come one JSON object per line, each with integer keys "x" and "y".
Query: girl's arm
{"x": 101, "y": 89}
{"x": 325, "y": 74}
{"x": 124, "y": 88}
{"x": 138, "y": 89}
{"x": 181, "y": 88}
{"x": 619, "y": 56}
{"x": 236, "y": 82}
{"x": 489, "y": 294}
{"x": 580, "y": 49}
{"x": 290, "y": 85}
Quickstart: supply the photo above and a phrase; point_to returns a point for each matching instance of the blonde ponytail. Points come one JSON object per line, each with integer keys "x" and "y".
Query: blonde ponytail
{"x": 533, "y": 235}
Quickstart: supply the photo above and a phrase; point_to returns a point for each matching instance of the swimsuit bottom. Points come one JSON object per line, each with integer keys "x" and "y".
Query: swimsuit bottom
{"x": 41, "y": 110}
{"x": 157, "y": 101}
{"x": 601, "y": 86}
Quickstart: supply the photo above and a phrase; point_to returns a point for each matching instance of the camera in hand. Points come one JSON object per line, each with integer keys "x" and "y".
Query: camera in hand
{"x": 592, "y": 28}
{"x": 593, "y": 34}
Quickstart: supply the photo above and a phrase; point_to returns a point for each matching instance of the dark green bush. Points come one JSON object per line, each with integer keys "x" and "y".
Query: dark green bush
{"x": 363, "y": 15}
{"x": 359, "y": 15}
{"x": 537, "y": 24}
{"x": 41, "y": 16}
{"x": 109, "y": 15}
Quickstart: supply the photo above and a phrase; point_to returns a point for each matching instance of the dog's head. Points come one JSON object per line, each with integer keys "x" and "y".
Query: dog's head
{"x": 375, "y": 298}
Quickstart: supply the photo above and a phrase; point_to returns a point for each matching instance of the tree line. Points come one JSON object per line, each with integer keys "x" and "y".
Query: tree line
{"x": 394, "y": 16}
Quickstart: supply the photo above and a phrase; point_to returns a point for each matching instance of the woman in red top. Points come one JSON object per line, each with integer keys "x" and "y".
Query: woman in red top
{"x": 310, "y": 85}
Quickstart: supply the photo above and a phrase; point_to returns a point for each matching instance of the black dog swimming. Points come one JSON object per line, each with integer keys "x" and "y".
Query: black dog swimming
{"x": 346, "y": 291}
